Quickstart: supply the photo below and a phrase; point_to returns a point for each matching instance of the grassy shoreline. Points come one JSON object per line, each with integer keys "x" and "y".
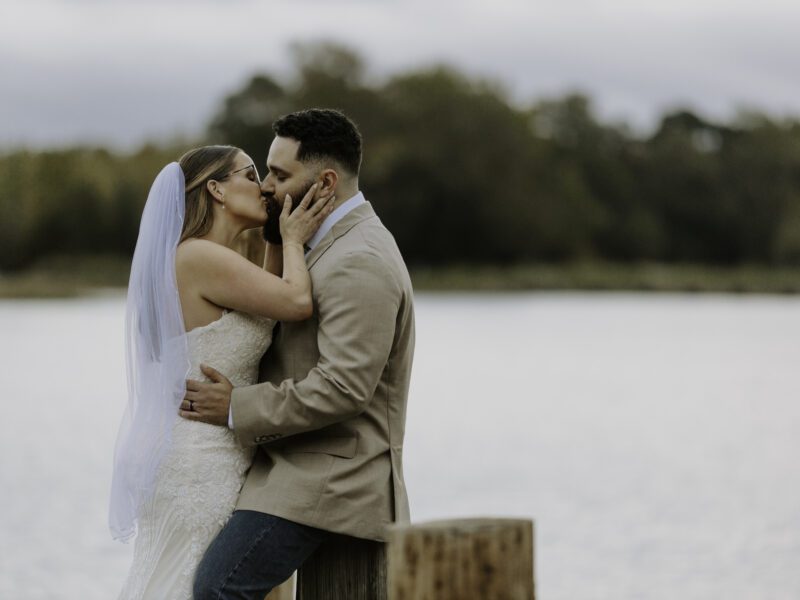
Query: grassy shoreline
{"x": 595, "y": 276}
{"x": 75, "y": 277}
{"x": 66, "y": 277}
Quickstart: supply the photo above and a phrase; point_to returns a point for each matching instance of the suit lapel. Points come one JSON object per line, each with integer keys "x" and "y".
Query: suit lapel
{"x": 345, "y": 224}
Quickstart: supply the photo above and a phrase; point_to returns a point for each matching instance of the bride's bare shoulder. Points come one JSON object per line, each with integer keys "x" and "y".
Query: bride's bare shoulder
{"x": 197, "y": 249}
{"x": 195, "y": 254}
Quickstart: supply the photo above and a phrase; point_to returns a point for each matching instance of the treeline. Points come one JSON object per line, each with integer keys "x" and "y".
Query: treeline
{"x": 461, "y": 175}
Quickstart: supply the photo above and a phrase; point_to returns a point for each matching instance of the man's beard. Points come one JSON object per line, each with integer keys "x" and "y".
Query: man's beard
{"x": 272, "y": 228}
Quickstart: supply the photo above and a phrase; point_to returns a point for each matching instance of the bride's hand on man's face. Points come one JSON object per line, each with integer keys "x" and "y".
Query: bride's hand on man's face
{"x": 300, "y": 225}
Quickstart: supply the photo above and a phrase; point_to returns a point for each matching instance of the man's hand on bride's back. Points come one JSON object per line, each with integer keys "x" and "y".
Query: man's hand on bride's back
{"x": 208, "y": 402}
{"x": 298, "y": 226}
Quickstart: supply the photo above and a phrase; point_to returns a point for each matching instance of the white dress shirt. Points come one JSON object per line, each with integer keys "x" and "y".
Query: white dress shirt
{"x": 334, "y": 218}
{"x": 331, "y": 220}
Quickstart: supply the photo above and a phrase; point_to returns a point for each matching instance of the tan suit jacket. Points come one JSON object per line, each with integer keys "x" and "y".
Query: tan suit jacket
{"x": 329, "y": 418}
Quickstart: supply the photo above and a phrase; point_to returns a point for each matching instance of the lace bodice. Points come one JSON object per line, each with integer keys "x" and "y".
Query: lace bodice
{"x": 233, "y": 345}
{"x": 198, "y": 481}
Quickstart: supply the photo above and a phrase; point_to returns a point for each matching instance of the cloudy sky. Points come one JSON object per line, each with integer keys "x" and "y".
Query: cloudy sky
{"x": 119, "y": 72}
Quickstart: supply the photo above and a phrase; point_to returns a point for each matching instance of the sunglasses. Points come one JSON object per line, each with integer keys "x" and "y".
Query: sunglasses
{"x": 250, "y": 166}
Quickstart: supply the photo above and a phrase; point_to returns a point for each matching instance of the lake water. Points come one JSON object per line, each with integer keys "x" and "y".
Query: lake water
{"x": 654, "y": 439}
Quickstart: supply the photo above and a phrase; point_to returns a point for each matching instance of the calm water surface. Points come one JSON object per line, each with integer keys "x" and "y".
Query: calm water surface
{"x": 655, "y": 439}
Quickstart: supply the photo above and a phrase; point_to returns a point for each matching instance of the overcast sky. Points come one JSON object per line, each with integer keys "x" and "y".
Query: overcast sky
{"x": 119, "y": 72}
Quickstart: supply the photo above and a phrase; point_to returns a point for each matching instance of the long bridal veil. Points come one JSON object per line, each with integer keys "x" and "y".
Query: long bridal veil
{"x": 156, "y": 353}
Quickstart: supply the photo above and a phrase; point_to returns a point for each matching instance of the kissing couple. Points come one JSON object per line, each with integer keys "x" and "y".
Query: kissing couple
{"x": 266, "y": 406}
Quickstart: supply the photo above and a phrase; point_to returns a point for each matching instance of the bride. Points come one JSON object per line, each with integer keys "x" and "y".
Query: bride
{"x": 193, "y": 299}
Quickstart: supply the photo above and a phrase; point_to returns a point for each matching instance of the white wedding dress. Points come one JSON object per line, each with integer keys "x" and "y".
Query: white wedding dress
{"x": 199, "y": 480}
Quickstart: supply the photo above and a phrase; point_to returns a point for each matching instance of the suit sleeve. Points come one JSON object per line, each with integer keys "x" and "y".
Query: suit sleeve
{"x": 357, "y": 307}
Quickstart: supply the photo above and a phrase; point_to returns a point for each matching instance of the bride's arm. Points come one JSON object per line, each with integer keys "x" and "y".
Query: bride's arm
{"x": 225, "y": 278}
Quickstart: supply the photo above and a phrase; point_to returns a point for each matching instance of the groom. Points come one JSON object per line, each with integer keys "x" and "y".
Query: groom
{"x": 329, "y": 418}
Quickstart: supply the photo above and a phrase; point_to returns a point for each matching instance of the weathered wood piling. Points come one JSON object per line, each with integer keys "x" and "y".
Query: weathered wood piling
{"x": 344, "y": 569}
{"x": 465, "y": 559}
{"x": 490, "y": 559}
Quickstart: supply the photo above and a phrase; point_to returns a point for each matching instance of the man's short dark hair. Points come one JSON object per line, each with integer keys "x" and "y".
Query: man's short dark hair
{"x": 323, "y": 133}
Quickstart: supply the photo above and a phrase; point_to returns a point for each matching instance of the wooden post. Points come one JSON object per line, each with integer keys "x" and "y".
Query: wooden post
{"x": 284, "y": 591}
{"x": 491, "y": 559}
{"x": 344, "y": 569}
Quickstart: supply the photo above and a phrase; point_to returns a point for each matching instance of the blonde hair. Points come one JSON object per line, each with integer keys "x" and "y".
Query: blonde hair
{"x": 200, "y": 166}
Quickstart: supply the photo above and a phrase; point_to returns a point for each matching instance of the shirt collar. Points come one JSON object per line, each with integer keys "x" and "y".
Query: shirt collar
{"x": 334, "y": 218}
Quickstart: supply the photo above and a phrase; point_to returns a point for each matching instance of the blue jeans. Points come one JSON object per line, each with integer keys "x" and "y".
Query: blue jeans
{"x": 254, "y": 553}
